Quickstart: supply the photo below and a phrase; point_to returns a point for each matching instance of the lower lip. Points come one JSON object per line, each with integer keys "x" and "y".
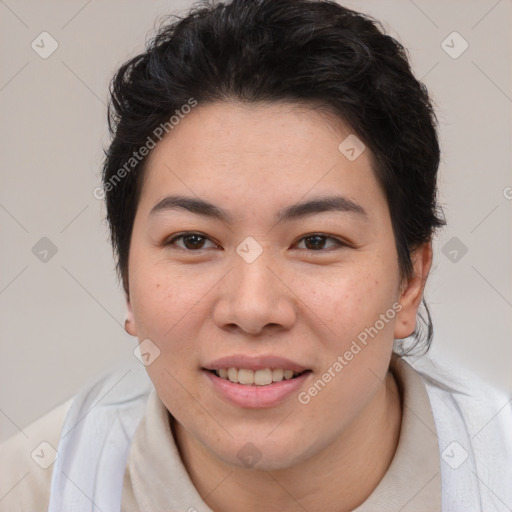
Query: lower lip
{"x": 256, "y": 397}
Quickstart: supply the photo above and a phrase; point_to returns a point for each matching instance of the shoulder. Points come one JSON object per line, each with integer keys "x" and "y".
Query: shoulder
{"x": 474, "y": 426}
{"x": 26, "y": 463}
{"x": 477, "y": 401}
{"x": 97, "y": 432}
{"x": 30, "y": 460}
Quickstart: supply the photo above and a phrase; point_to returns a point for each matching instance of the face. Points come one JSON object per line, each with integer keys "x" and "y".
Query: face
{"x": 277, "y": 259}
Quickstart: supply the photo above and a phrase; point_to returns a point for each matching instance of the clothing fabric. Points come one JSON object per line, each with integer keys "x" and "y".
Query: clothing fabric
{"x": 24, "y": 484}
{"x": 412, "y": 482}
{"x": 116, "y": 450}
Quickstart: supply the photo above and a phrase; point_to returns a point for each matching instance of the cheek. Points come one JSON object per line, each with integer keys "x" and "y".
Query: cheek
{"x": 356, "y": 348}
{"x": 164, "y": 300}
{"x": 348, "y": 300}
{"x": 166, "y": 309}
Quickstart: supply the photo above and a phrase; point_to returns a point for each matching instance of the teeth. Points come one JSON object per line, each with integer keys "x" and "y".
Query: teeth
{"x": 277, "y": 375}
{"x": 257, "y": 378}
{"x": 232, "y": 374}
{"x": 245, "y": 376}
{"x": 263, "y": 377}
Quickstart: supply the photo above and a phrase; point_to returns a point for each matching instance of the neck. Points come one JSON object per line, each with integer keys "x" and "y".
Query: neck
{"x": 338, "y": 479}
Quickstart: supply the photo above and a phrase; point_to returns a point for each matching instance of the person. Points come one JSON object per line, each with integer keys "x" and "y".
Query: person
{"x": 271, "y": 194}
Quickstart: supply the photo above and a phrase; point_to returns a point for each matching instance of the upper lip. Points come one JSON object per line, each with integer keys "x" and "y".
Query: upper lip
{"x": 254, "y": 363}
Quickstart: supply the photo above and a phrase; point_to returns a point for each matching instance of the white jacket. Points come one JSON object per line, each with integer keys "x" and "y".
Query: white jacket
{"x": 473, "y": 422}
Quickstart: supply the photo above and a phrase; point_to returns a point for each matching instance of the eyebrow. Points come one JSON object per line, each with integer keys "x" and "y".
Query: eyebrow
{"x": 296, "y": 211}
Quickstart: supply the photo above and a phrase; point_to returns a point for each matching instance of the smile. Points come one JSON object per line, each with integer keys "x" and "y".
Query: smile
{"x": 251, "y": 395}
{"x": 249, "y": 377}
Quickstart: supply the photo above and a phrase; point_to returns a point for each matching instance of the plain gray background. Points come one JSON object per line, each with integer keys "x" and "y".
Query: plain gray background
{"x": 61, "y": 320}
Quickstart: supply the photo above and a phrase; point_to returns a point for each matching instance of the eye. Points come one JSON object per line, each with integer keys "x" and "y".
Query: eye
{"x": 190, "y": 241}
{"x": 197, "y": 241}
{"x": 318, "y": 241}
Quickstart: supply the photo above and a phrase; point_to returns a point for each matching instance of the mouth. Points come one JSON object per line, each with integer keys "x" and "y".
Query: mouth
{"x": 263, "y": 377}
{"x": 264, "y": 388}
{"x": 255, "y": 382}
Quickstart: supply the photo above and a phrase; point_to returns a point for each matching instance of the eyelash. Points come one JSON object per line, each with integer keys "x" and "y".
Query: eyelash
{"x": 338, "y": 242}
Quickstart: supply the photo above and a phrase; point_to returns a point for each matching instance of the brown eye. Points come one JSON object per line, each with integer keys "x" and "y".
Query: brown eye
{"x": 318, "y": 242}
{"x": 190, "y": 241}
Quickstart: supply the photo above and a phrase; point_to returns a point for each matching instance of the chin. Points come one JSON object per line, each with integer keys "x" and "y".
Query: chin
{"x": 263, "y": 454}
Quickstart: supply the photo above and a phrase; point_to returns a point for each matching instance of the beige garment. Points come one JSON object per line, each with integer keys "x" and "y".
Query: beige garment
{"x": 156, "y": 479}
{"x": 24, "y": 480}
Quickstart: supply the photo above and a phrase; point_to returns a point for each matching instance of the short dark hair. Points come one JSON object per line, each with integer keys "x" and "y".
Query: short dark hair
{"x": 293, "y": 51}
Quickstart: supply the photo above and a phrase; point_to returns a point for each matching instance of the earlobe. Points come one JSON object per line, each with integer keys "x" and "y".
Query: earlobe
{"x": 129, "y": 321}
{"x": 412, "y": 292}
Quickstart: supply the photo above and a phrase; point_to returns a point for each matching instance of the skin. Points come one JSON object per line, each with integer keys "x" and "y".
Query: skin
{"x": 308, "y": 305}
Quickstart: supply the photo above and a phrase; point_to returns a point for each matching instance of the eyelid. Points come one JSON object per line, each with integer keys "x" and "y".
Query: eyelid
{"x": 177, "y": 236}
{"x": 338, "y": 241}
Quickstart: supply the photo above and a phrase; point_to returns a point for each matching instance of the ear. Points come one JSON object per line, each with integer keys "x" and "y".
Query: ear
{"x": 129, "y": 321}
{"x": 412, "y": 291}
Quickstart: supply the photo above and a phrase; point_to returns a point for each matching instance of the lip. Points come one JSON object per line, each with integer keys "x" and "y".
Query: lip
{"x": 256, "y": 397}
{"x": 254, "y": 363}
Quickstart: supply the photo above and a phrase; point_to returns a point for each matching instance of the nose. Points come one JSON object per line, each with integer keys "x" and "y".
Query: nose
{"x": 254, "y": 299}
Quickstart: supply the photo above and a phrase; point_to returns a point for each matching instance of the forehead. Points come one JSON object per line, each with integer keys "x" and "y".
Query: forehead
{"x": 232, "y": 130}
{"x": 258, "y": 153}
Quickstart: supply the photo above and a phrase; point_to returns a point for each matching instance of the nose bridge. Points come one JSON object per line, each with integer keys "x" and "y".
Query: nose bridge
{"x": 253, "y": 296}
{"x": 254, "y": 278}
{"x": 251, "y": 264}
{"x": 253, "y": 281}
